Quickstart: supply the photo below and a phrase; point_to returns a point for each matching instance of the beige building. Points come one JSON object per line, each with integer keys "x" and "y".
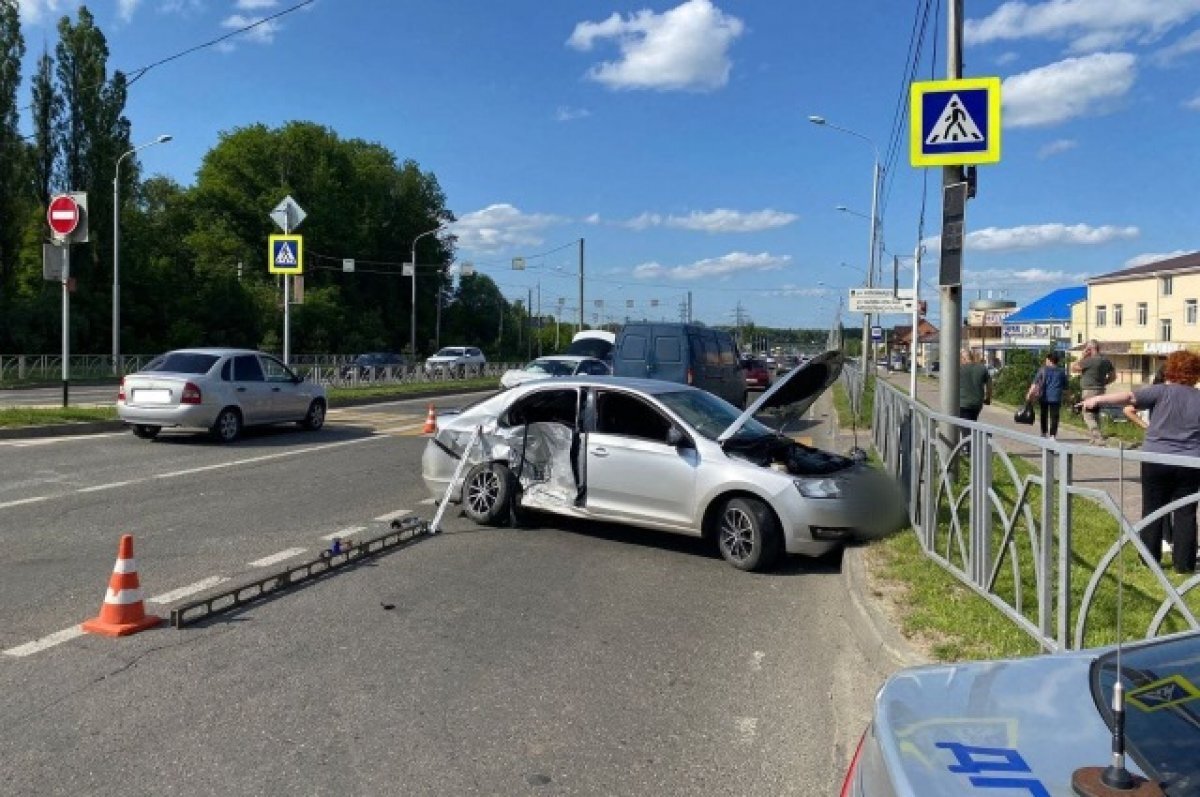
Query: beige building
{"x": 1142, "y": 314}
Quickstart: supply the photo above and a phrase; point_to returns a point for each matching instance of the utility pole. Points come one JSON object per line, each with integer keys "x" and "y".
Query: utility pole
{"x": 689, "y": 307}
{"x": 580, "y": 285}
{"x": 950, "y": 277}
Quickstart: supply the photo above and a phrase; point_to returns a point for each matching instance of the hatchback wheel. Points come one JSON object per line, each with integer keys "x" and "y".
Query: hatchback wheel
{"x": 487, "y": 492}
{"x": 145, "y": 431}
{"x": 748, "y": 534}
{"x": 314, "y": 419}
{"x": 228, "y": 425}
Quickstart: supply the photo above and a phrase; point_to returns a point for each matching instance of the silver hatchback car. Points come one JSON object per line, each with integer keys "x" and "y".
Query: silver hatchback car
{"x": 221, "y": 391}
{"x": 664, "y": 456}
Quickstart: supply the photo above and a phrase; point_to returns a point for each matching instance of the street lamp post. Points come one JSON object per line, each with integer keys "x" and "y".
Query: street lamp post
{"x": 412, "y": 342}
{"x": 876, "y": 176}
{"x": 116, "y": 290}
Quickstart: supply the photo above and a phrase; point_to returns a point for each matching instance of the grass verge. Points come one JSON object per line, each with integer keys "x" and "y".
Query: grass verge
{"x": 47, "y": 416}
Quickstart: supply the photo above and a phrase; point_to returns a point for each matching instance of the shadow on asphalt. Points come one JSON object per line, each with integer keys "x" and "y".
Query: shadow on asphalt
{"x": 265, "y": 436}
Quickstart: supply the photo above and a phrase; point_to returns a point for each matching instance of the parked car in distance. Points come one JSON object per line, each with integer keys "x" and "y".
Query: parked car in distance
{"x": 370, "y": 365}
{"x": 454, "y": 359}
{"x": 688, "y": 354}
{"x": 221, "y": 391}
{"x": 787, "y": 362}
{"x": 1028, "y": 726}
{"x": 758, "y": 377}
{"x": 664, "y": 456}
{"x": 554, "y": 365}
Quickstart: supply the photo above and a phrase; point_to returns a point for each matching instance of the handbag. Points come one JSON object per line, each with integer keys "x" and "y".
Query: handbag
{"x": 1025, "y": 414}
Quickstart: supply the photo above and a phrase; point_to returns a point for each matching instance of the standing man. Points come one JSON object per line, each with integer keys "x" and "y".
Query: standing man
{"x": 1096, "y": 373}
{"x": 974, "y": 386}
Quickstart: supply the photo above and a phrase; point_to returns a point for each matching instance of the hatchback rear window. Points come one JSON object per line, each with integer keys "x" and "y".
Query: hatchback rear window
{"x": 176, "y": 362}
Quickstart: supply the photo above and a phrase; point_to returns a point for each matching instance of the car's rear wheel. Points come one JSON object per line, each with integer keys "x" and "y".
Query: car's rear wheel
{"x": 748, "y": 534}
{"x": 487, "y": 493}
{"x": 145, "y": 431}
{"x": 314, "y": 419}
{"x": 228, "y": 425}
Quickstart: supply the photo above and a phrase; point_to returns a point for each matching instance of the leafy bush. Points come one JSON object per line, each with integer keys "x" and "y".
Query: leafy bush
{"x": 1015, "y": 377}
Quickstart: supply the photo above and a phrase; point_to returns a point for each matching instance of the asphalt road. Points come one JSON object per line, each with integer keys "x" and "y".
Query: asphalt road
{"x": 553, "y": 659}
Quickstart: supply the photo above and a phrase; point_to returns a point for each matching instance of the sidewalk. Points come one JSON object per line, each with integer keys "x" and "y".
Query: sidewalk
{"x": 1095, "y": 472}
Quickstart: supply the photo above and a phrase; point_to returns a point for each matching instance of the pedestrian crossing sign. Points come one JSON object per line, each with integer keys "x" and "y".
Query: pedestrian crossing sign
{"x": 955, "y": 122}
{"x": 286, "y": 254}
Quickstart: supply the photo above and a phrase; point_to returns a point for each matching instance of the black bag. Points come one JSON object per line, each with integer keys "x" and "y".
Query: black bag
{"x": 1025, "y": 414}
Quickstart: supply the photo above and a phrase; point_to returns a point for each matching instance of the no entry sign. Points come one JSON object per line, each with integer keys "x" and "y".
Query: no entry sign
{"x": 63, "y": 214}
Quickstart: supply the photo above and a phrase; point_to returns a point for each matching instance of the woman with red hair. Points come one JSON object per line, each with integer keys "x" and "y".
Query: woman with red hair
{"x": 1174, "y": 429}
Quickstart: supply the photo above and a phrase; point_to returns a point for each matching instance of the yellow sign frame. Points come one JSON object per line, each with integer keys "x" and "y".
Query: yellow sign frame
{"x": 917, "y": 122}
{"x": 298, "y": 243}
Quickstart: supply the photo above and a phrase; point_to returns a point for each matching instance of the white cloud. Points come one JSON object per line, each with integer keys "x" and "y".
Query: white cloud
{"x": 255, "y": 5}
{"x": 594, "y": 218}
{"x": 1173, "y": 52}
{"x": 499, "y": 227}
{"x": 125, "y": 9}
{"x": 1064, "y": 90}
{"x": 1086, "y": 24}
{"x": 1039, "y": 236}
{"x": 720, "y": 220}
{"x": 263, "y": 34}
{"x": 1008, "y": 278}
{"x": 1193, "y": 103}
{"x": 568, "y": 114}
{"x": 1154, "y": 257}
{"x": 1006, "y": 58}
{"x": 790, "y": 290}
{"x": 34, "y": 12}
{"x": 723, "y": 266}
{"x": 684, "y": 48}
{"x": 1057, "y": 147}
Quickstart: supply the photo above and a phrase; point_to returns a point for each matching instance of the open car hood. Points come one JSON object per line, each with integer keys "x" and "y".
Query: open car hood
{"x": 795, "y": 392}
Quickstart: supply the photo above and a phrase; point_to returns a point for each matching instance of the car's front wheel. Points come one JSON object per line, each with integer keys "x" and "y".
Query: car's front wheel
{"x": 487, "y": 492}
{"x": 748, "y": 534}
{"x": 227, "y": 426}
{"x": 314, "y": 419}
{"x": 145, "y": 431}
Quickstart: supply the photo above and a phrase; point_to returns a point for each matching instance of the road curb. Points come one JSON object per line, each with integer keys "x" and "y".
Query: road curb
{"x": 60, "y": 429}
{"x": 884, "y": 647}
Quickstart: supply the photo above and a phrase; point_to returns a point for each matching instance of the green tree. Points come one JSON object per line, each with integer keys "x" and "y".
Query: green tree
{"x": 13, "y": 197}
{"x": 47, "y": 109}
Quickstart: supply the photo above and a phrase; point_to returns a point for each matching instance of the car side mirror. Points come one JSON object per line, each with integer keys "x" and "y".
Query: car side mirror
{"x": 674, "y": 437}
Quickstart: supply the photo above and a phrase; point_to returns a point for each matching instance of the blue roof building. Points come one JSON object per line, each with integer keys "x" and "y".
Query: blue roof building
{"x": 1044, "y": 323}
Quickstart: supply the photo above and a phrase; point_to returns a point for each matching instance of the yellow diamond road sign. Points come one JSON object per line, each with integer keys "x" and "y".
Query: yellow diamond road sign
{"x": 955, "y": 122}
{"x": 286, "y": 254}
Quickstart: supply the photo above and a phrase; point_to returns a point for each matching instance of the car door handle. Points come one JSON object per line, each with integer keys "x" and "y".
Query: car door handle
{"x": 241, "y": 390}
{"x": 274, "y": 390}
{"x": 600, "y": 452}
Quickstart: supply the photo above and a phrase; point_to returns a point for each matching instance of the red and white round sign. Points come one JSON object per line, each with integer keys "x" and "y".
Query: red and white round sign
{"x": 63, "y": 214}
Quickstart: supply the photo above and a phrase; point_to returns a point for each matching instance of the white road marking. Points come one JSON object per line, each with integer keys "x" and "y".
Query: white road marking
{"x": 46, "y": 441}
{"x": 100, "y": 487}
{"x": 266, "y": 561}
{"x": 344, "y": 533}
{"x": 191, "y": 589}
{"x": 393, "y": 515}
{"x": 757, "y": 660}
{"x": 21, "y": 501}
{"x": 427, "y": 501}
{"x": 747, "y": 728}
{"x": 49, "y": 641}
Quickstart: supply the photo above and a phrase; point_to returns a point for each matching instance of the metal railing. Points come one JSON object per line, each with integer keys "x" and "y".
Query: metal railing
{"x": 1002, "y": 512}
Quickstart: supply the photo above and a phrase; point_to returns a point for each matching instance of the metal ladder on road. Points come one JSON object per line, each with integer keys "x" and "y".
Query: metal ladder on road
{"x": 435, "y": 525}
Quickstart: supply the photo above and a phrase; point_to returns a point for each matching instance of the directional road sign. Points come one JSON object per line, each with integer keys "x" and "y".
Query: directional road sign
{"x": 955, "y": 122}
{"x": 287, "y": 215}
{"x": 881, "y": 300}
{"x": 286, "y": 254}
{"x": 63, "y": 215}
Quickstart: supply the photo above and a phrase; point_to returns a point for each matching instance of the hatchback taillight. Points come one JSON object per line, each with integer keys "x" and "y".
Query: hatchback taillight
{"x": 191, "y": 394}
{"x": 121, "y": 390}
{"x": 848, "y": 783}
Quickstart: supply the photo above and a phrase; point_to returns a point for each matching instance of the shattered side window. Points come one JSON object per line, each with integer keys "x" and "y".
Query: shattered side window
{"x": 544, "y": 406}
{"x": 623, "y": 414}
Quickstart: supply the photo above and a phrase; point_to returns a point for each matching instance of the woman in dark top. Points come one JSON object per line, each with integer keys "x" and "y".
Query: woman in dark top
{"x": 1174, "y": 429}
{"x": 1049, "y": 386}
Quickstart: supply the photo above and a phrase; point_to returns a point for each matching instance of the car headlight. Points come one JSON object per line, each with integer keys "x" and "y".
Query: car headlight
{"x": 818, "y": 488}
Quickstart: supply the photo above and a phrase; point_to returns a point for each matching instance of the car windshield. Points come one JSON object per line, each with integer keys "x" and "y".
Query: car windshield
{"x": 449, "y": 353}
{"x": 710, "y": 415}
{"x": 551, "y": 367}
{"x": 1162, "y": 726}
{"x": 182, "y": 362}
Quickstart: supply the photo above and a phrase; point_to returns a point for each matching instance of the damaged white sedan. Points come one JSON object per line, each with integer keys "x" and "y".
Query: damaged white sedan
{"x": 664, "y": 456}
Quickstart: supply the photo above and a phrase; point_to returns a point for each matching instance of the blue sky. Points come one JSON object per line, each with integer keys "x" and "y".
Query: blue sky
{"x": 673, "y": 135}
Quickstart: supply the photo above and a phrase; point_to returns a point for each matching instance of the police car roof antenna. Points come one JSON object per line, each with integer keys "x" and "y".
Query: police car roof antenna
{"x": 1115, "y": 779}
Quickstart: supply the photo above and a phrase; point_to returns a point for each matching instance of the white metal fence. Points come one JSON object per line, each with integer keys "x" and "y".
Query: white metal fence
{"x": 1004, "y": 513}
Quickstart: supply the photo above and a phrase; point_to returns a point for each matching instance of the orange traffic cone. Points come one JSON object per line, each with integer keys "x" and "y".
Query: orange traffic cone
{"x": 430, "y": 422}
{"x": 122, "y": 612}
